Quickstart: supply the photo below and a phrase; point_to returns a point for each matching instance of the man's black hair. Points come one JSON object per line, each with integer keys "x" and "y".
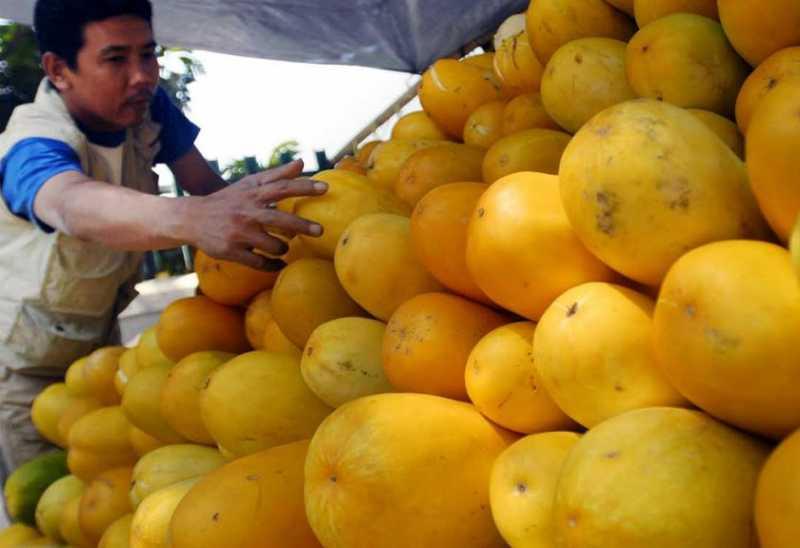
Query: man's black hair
{"x": 59, "y": 24}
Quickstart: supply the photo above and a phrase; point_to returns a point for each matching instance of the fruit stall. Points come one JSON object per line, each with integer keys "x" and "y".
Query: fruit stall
{"x": 558, "y": 308}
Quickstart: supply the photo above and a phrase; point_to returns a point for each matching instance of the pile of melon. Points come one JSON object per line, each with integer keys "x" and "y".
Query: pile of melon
{"x": 555, "y": 310}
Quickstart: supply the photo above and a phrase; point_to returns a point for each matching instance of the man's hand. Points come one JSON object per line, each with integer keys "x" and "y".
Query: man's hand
{"x": 230, "y": 223}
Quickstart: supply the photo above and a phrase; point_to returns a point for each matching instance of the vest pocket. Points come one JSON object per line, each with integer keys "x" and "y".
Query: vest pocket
{"x": 44, "y": 340}
{"x": 84, "y": 278}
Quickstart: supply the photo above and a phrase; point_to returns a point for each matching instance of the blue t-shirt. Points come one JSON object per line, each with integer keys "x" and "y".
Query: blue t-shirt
{"x": 32, "y": 162}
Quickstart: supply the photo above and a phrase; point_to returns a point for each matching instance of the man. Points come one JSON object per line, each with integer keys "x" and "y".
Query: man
{"x": 78, "y": 203}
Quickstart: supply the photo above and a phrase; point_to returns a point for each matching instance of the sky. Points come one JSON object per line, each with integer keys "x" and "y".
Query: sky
{"x": 245, "y": 106}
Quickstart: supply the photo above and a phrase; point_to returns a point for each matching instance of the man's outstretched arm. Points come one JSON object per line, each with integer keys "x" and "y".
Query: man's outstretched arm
{"x": 227, "y": 224}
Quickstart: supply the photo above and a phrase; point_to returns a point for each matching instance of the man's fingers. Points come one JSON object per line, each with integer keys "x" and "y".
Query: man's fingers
{"x": 269, "y": 245}
{"x": 286, "y": 171}
{"x": 276, "y": 191}
{"x": 289, "y": 224}
{"x": 248, "y": 258}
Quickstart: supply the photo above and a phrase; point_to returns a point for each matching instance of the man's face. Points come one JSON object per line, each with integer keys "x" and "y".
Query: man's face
{"x": 116, "y": 74}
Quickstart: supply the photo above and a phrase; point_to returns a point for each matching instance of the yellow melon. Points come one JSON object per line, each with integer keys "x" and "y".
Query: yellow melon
{"x": 52, "y": 502}
{"x": 275, "y": 341}
{"x": 103, "y": 432}
{"x": 381, "y": 463}
{"x": 552, "y": 23}
{"x": 724, "y": 128}
{"x": 435, "y": 166}
{"x": 118, "y": 533}
{"x": 228, "y": 282}
{"x": 623, "y": 5}
{"x": 363, "y": 152}
{"x": 778, "y": 496}
{"x": 75, "y": 381}
{"x": 724, "y": 336}
{"x": 485, "y": 125}
{"x": 645, "y": 181}
{"x": 128, "y": 366}
{"x": 256, "y": 318}
{"x": 388, "y": 157}
{"x": 148, "y": 353}
{"x": 647, "y": 11}
{"x": 504, "y": 385}
{"x": 16, "y": 534}
{"x": 417, "y": 125}
{"x": 180, "y": 394}
{"x": 526, "y": 111}
{"x": 686, "y": 60}
{"x": 779, "y": 67}
{"x": 514, "y": 61}
{"x": 381, "y": 286}
{"x": 342, "y": 360}
{"x": 150, "y": 522}
{"x": 142, "y": 442}
{"x": 70, "y": 529}
{"x": 772, "y": 137}
{"x": 349, "y": 196}
{"x": 104, "y": 501}
{"x": 47, "y": 410}
{"x": 306, "y": 295}
{"x": 141, "y": 403}
{"x": 253, "y": 501}
{"x": 77, "y": 408}
{"x": 756, "y": 32}
{"x": 196, "y": 324}
{"x": 582, "y": 78}
{"x": 428, "y": 340}
{"x": 594, "y": 355}
{"x": 523, "y": 485}
{"x": 794, "y": 247}
{"x": 439, "y": 235}
{"x": 349, "y": 163}
{"x": 259, "y": 400}
{"x": 673, "y": 477}
{"x": 451, "y": 90}
{"x": 99, "y": 370}
{"x": 530, "y": 150}
{"x": 168, "y": 465}
{"x": 87, "y": 464}
{"x": 521, "y": 249}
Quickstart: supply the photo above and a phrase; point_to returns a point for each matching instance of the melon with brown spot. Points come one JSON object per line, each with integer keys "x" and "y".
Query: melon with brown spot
{"x": 657, "y": 471}
{"x": 537, "y": 150}
{"x": 779, "y": 67}
{"x": 552, "y": 23}
{"x": 724, "y": 335}
{"x": 685, "y": 59}
{"x": 526, "y": 111}
{"x": 523, "y": 485}
{"x": 451, "y": 90}
{"x": 640, "y": 189}
{"x": 253, "y": 501}
{"x": 593, "y": 353}
{"x": 584, "y": 77}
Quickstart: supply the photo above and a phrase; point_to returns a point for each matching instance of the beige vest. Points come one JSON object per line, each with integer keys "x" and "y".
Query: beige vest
{"x": 59, "y": 296}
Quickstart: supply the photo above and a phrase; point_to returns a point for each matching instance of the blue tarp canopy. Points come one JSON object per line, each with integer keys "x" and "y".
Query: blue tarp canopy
{"x": 403, "y": 35}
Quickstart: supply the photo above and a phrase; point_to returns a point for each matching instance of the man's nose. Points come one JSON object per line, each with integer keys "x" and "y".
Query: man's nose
{"x": 144, "y": 73}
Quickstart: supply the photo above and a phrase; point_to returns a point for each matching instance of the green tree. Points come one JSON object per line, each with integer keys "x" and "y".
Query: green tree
{"x": 284, "y": 153}
{"x": 21, "y": 71}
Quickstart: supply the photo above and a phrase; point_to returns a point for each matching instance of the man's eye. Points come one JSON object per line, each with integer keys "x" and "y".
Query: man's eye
{"x": 149, "y": 55}
{"x": 116, "y": 59}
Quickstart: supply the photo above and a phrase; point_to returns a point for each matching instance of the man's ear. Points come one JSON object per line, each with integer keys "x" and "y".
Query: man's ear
{"x": 56, "y": 70}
